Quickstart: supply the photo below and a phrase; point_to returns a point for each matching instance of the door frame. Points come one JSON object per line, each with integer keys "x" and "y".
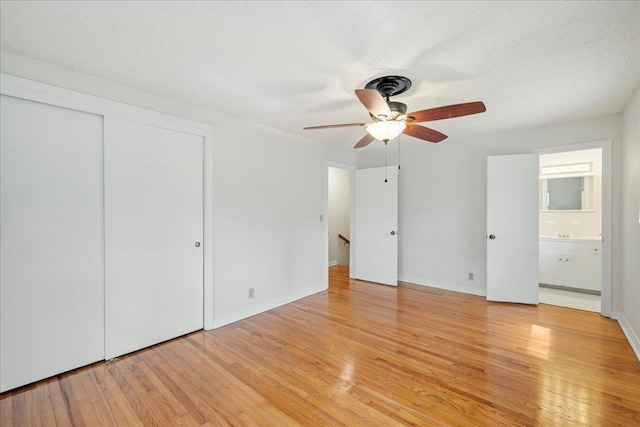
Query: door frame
{"x": 19, "y": 87}
{"x": 352, "y": 224}
{"x": 607, "y": 212}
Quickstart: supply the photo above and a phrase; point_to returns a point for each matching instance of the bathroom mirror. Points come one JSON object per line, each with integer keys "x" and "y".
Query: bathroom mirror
{"x": 573, "y": 193}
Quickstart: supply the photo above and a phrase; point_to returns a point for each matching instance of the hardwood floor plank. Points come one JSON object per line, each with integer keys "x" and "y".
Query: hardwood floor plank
{"x": 360, "y": 354}
{"x": 113, "y": 398}
{"x": 139, "y": 403}
{"x": 156, "y": 366}
{"x": 6, "y": 412}
{"x": 60, "y": 409}
{"x": 36, "y": 406}
{"x": 72, "y": 404}
{"x": 204, "y": 394}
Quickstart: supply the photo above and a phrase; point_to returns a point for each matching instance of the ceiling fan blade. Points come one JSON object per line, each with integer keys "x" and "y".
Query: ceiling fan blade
{"x": 345, "y": 125}
{"x": 424, "y": 133}
{"x": 448, "y": 112}
{"x": 374, "y": 102}
{"x": 366, "y": 140}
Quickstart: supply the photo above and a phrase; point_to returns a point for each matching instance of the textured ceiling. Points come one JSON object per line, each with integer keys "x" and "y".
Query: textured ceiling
{"x": 295, "y": 64}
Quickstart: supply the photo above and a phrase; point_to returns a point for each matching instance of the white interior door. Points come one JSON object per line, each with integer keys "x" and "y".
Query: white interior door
{"x": 153, "y": 235}
{"x": 376, "y": 225}
{"x": 512, "y": 228}
{"x": 51, "y": 241}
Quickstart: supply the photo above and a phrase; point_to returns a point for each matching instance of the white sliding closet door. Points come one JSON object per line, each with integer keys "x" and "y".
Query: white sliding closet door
{"x": 153, "y": 233}
{"x": 51, "y": 241}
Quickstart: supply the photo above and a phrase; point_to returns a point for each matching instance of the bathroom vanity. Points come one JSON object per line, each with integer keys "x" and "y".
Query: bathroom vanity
{"x": 571, "y": 262}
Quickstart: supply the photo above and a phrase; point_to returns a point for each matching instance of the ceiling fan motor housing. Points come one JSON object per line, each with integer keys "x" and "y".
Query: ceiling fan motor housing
{"x": 397, "y": 109}
{"x": 389, "y": 85}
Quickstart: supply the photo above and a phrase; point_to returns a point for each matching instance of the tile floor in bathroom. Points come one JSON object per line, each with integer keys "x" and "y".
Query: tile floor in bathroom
{"x": 577, "y": 300}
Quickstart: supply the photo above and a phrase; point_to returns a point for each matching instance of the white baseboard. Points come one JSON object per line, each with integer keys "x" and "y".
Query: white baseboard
{"x": 632, "y": 337}
{"x": 333, "y": 262}
{"x": 465, "y": 289}
{"x": 265, "y": 306}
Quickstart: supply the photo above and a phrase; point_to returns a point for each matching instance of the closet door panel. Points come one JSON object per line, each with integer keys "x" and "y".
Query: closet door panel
{"x": 153, "y": 232}
{"x": 51, "y": 241}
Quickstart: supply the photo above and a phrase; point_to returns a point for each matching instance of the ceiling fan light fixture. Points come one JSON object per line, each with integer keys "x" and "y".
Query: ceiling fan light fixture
{"x": 386, "y": 130}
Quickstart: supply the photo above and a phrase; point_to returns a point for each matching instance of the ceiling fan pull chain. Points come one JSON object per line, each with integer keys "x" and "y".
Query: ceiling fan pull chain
{"x": 398, "y": 153}
{"x": 386, "y": 146}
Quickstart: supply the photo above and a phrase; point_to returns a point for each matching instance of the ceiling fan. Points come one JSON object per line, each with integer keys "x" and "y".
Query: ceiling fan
{"x": 391, "y": 118}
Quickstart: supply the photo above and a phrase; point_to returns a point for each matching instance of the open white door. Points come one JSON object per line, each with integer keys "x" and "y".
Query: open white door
{"x": 376, "y": 225}
{"x": 512, "y": 228}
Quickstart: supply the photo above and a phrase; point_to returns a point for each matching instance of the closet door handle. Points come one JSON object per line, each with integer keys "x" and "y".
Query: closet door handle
{"x": 197, "y": 244}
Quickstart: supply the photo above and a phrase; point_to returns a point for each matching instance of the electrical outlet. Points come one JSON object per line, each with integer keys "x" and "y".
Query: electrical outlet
{"x": 470, "y": 276}
{"x": 251, "y": 292}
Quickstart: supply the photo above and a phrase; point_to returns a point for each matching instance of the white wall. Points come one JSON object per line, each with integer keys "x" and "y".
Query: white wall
{"x": 630, "y": 310}
{"x": 268, "y": 197}
{"x": 339, "y": 214}
{"x": 269, "y": 192}
{"x": 442, "y": 199}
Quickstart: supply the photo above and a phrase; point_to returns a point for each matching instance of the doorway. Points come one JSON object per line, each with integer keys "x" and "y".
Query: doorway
{"x": 339, "y": 206}
{"x": 574, "y": 210}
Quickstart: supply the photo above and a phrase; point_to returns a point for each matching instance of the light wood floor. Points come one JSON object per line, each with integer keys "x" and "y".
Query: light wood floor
{"x": 361, "y": 354}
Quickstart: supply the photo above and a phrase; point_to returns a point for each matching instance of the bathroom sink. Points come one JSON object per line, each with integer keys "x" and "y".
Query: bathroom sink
{"x": 580, "y": 238}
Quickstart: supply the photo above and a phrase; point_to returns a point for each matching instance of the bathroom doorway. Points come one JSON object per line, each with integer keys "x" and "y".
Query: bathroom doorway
{"x": 571, "y": 229}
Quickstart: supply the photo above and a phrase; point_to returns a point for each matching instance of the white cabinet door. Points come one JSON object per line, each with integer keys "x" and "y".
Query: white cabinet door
{"x": 153, "y": 233}
{"x": 51, "y": 244}
{"x": 376, "y": 222}
{"x": 512, "y": 228}
{"x": 582, "y": 271}
{"x": 551, "y": 268}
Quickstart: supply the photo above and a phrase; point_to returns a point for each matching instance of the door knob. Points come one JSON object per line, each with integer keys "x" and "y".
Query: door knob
{"x": 393, "y": 233}
{"x": 492, "y": 237}
{"x": 197, "y": 244}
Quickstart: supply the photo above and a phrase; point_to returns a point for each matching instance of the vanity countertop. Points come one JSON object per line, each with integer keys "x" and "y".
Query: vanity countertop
{"x": 571, "y": 239}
